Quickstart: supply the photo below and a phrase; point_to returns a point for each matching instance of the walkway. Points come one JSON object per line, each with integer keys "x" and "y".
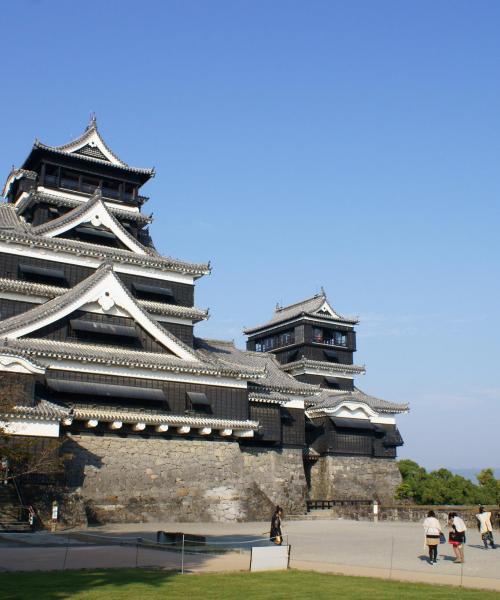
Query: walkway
{"x": 389, "y": 550}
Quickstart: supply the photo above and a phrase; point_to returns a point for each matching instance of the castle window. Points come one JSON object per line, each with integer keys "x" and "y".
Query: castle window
{"x": 70, "y": 180}
{"x": 111, "y": 189}
{"x": 51, "y": 175}
{"x": 285, "y": 338}
{"x": 89, "y": 185}
{"x": 103, "y": 328}
{"x": 107, "y": 334}
{"x": 40, "y": 274}
{"x": 318, "y": 334}
{"x": 106, "y": 390}
{"x": 158, "y": 292}
{"x": 199, "y": 403}
{"x": 340, "y": 338}
{"x": 128, "y": 192}
{"x": 329, "y": 336}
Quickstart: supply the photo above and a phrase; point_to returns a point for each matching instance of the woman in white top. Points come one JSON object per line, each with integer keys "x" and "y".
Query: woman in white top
{"x": 485, "y": 528}
{"x": 433, "y": 532}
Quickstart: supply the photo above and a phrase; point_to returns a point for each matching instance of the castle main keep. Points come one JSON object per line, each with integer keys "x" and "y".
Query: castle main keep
{"x": 158, "y": 423}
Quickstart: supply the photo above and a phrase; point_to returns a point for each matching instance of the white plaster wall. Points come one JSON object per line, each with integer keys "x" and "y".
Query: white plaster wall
{"x": 29, "y": 427}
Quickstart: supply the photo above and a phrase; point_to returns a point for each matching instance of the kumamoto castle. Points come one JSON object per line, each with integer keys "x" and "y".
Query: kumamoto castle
{"x": 155, "y": 422}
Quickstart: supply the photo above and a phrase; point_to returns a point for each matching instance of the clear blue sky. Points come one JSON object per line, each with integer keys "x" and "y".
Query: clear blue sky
{"x": 354, "y": 145}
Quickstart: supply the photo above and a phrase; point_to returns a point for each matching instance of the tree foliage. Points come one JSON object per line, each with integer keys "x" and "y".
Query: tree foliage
{"x": 443, "y": 487}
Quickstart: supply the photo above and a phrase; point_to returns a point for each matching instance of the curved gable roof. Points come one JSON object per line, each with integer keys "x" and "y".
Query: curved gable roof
{"x": 98, "y": 214}
{"x": 318, "y": 306}
{"x": 91, "y": 146}
{"x": 105, "y": 288}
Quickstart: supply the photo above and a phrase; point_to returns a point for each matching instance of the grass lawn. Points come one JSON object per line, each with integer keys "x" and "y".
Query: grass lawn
{"x": 137, "y": 584}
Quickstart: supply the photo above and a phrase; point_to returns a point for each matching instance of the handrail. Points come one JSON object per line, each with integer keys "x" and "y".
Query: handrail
{"x": 18, "y": 491}
{"x": 23, "y": 509}
{"x": 326, "y": 504}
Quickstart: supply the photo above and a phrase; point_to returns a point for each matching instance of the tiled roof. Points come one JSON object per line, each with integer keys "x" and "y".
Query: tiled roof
{"x": 266, "y": 396}
{"x": 330, "y": 399}
{"x": 73, "y": 215}
{"x": 18, "y": 174}
{"x": 51, "y": 291}
{"x": 9, "y": 221}
{"x": 174, "y": 310}
{"x": 13, "y": 230}
{"x": 91, "y": 132}
{"x": 42, "y": 411}
{"x": 319, "y": 365}
{"x": 149, "y": 417}
{"x": 39, "y": 145}
{"x": 306, "y": 307}
{"x": 52, "y": 307}
{"x": 48, "y": 351}
{"x": 68, "y": 202}
{"x": 275, "y": 380}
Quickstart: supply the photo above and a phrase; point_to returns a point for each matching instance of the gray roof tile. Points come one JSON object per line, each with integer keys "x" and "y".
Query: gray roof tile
{"x": 12, "y": 229}
{"x": 275, "y": 380}
{"x": 73, "y": 215}
{"x": 329, "y": 399}
{"x": 305, "y": 307}
{"x": 68, "y": 202}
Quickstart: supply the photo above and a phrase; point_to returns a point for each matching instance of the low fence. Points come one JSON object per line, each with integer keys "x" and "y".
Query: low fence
{"x": 184, "y": 553}
{"x": 343, "y": 547}
{"x": 364, "y": 510}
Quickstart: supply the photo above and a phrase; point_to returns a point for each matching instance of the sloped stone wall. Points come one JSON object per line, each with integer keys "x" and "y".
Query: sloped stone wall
{"x": 135, "y": 479}
{"x": 354, "y": 478}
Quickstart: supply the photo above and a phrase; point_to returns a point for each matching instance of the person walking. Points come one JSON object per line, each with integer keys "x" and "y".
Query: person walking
{"x": 433, "y": 531}
{"x": 457, "y": 536}
{"x": 485, "y": 528}
{"x": 276, "y": 536}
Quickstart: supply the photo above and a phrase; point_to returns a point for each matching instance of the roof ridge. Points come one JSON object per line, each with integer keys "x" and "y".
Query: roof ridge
{"x": 281, "y": 308}
{"x": 89, "y": 135}
{"x": 217, "y": 341}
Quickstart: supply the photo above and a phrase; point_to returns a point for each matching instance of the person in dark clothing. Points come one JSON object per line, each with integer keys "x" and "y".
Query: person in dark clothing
{"x": 276, "y": 535}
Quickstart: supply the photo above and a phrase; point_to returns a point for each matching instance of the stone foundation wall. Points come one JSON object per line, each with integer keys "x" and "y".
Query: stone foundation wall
{"x": 353, "y": 478}
{"x": 134, "y": 479}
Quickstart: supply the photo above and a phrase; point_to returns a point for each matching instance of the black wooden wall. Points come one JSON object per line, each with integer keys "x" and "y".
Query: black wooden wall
{"x": 227, "y": 402}
{"x": 73, "y": 274}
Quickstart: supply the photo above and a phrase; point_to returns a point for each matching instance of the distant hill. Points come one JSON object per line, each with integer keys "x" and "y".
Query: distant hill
{"x": 471, "y": 473}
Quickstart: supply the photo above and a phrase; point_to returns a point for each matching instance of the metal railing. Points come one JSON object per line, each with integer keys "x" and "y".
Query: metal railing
{"x": 330, "y": 342}
{"x": 327, "y": 504}
{"x": 274, "y": 343}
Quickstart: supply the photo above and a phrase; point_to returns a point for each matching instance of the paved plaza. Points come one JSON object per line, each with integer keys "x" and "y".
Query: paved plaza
{"x": 389, "y": 550}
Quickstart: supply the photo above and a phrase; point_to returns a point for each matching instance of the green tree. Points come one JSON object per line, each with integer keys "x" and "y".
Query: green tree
{"x": 24, "y": 455}
{"x": 443, "y": 487}
{"x": 489, "y": 487}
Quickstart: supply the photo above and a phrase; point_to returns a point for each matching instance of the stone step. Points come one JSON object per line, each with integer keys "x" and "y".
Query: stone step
{"x": 9, "y": 515}
{"x": 16, "y": 527}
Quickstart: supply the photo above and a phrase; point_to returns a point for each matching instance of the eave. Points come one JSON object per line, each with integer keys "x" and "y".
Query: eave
{"x": 41, "y": 290}
{"x": 130, "y": 417}
{"x": 326, "y": 367}
{"x": 101, "y": 252}
{"x": 52, "y": 199}
{"x": 92, "y": 354}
